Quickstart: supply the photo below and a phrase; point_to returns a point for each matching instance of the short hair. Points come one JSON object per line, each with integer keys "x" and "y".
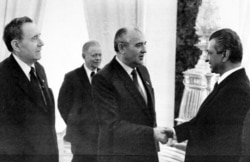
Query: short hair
{"x": 13, "y": 30}
{"x": 119, "y": 36}
{"x": 228, "y": 39}
{"x": 89, "y": 44}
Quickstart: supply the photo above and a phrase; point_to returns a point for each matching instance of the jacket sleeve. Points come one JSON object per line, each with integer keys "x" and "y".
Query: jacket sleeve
{"x": 65, "y": 98}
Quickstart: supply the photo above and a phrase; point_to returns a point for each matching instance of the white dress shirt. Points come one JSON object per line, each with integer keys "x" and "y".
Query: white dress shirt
{"x": 88, "y": 71}
{"x": 129, "y": 71}
{"x": 26, "y": 68}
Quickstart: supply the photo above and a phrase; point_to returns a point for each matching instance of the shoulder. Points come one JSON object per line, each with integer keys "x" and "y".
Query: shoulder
{"x": 239, "y": 81}
{"x": 107, "y": 71}
{"x": 235, "y": 88}
{"x": 6, "y": 68}
{"x": 143, "y": 69}
{"x": 105, "y": 76}
{"x": 74, "y": 72}
{"x": 40, "y": 68}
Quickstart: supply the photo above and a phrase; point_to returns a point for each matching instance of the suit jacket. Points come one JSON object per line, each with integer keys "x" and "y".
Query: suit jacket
{"x": 126, "y": 122}
{"x": 27, "y": 125}
{"x": 76, "y": 107}
{"x": 215, "y": 134}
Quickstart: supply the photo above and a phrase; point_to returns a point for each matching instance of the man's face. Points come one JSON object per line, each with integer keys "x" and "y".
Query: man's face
{"x": 30, "y": 46}
{"x": 135, "y": 50}
{"x": 93, "y": 57}
{"x": 214, "y": 57}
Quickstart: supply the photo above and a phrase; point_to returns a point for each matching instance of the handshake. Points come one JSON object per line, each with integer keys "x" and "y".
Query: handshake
{"x": 162, "y": 134}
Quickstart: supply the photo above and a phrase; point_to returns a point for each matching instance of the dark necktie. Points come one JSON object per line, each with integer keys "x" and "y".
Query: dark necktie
{"x": 36, "y": 85}
{"x": 135, "y": 80}
{"x": 92, "y": 75}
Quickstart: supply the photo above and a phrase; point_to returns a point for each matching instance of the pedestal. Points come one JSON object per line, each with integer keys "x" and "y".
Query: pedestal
{"x": 197, "y": 88}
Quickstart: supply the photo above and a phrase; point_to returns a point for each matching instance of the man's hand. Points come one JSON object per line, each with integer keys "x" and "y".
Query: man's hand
{"x": 169, "y": 132}
{"x": 160, "y": 135}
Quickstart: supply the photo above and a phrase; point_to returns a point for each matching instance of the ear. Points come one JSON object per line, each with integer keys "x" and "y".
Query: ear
{"x": 226, "y": 55}
{"x": 15, "y": 45}
{"x": 83, "y": 55}
{"x": 121, "y": 47}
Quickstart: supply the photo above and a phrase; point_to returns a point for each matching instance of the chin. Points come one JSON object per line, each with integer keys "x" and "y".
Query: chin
{"x": 141, "y": 62}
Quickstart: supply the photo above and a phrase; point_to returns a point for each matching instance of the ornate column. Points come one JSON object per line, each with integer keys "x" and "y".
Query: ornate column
{"x": 199, "y": 81}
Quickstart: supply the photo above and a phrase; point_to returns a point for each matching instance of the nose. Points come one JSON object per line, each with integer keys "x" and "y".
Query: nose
{"x": 144, "y": 49}
{"x": 41, "y": 42}
{"x": 207, "y": 57}
{"x": 99, "y": 57}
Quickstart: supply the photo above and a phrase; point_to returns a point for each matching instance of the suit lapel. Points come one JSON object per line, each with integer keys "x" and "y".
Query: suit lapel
{"x": 240, "y": 73}
{"x": 150, "y": 94}
{"x": 44, "y": 85}
{"x": 84, "y": 80}
{"x": 148, "y": 87}
{"x": 209, "y": 98}
{"x": 123, "y": 75}
{"x": 128, "y": 83}
{"x": 22, "y": 82}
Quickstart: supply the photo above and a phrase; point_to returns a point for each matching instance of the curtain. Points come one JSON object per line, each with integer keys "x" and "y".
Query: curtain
{"x": 105, "y": 17}
{"x": 244, "y": 9}
{"x": 64, "y": 32}
{"x": 160, "y": 29}
{"x": 10, "y": 9}
{"x": 234, "y": 14}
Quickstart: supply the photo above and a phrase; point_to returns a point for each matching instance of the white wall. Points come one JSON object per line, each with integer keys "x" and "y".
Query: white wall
{"x": 63, "y": 32}
{"x": 161, "y": 42}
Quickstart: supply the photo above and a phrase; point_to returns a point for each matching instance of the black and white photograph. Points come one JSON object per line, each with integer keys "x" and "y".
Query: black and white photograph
{"x": 124, "y": 81}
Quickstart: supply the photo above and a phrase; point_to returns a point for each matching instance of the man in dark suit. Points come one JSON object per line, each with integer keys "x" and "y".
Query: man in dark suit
{"x": 27, "y": 116}
{"x": 76, "y": 107}
{"x": 215, "y": 133}
{"x": 124, "y": 103}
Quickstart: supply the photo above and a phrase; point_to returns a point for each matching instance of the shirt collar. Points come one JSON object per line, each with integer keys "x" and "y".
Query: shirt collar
{"x": 88, "y": 71}
{"x": 125, "y": 67}
{"x": 26, "y": 68}
{"x": 226, "y": 74}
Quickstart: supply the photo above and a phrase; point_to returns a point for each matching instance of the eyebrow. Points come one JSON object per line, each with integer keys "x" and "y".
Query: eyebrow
{"x": 36, "y": 35}
{"x": 141, "y": 42}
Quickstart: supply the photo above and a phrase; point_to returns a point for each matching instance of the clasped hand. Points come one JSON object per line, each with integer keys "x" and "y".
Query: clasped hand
{"x": 162, "y": 134}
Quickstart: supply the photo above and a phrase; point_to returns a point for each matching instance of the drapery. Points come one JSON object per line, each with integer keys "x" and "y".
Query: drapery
{"x": 10, "y": 9}
{"x": 234, "y": 14}
{"x": 105, "y": 17}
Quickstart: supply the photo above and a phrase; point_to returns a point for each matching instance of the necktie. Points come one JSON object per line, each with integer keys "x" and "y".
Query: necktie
{"x": 135, "y": 80}
{"x": 36, "y": 85}
{"x": 92, "y": 75}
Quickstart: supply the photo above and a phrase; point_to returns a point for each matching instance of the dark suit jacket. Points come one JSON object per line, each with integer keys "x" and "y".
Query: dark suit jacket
{"x": 76, "y": 108}
{"x": 27, "y": 125}
{"x": 126, "y": 122}
{"x": 215, "y": 134}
